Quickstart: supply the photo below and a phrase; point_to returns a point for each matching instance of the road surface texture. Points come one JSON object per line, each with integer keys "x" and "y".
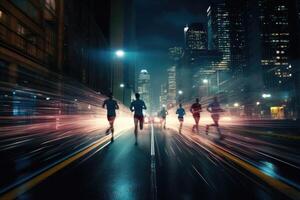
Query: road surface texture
{"x": 247, "y": 163}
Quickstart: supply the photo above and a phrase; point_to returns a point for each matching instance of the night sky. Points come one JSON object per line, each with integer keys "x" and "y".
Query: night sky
{"x": 159, "y": 25}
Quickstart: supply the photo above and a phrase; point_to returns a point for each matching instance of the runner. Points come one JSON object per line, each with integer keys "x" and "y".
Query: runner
{"x": 180, "y": 112}
{"x": 111, "y": 106}
{"x": 214, "y": 108}
{"x": 137, "y": 107}
{"x": 163, "y": 114}
{"x": 195, "y": 109}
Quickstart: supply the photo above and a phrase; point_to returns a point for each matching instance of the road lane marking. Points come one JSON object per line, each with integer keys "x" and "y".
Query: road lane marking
{"x": 280, "y": 186}
{"x": 256, "y": 132}
{"x": 153, "y": 166}
{"x": 14, "y": 193}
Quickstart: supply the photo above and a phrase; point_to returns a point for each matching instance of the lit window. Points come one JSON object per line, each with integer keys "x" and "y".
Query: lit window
{"x": 20, "y": 29}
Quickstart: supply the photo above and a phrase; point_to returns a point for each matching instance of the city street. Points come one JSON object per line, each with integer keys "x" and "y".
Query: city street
{"x": 243, "y": 165}
{"x": 215, "y": 82}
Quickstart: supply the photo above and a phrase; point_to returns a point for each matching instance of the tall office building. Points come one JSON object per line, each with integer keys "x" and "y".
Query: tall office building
{"x": 122, "y": 36}
{"x": 163, "y": 95}
{"x": 175, "y": 54}
{"x": 83, "y": 32}
{"x": 219, "y": 34}
{"x": 275, "y": 37}
{"x": 171, "y": 87}
{"x": 195, "y": 37}
{"x": 238, "y": 45}
{"x": 144, "y": 88}
{"x": 218, "y": 29}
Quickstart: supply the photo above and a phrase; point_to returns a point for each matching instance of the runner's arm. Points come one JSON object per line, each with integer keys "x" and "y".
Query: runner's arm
{"x": 131, "y": 107}
{"x": 144, "y": 106}
{"x": 117, "y": 106}
{"x": 103, "y": 105}
{"x": 208, "y": 108}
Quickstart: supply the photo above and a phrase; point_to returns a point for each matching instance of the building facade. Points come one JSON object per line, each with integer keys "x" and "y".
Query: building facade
{"x": 30, "y": 49}
{"x": 84, "y": 44}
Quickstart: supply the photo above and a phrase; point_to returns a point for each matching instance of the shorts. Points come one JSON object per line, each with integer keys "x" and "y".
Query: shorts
{"x": 180, "y": 119}
{"x": 215, "y": 117}
{"x": 111, "y": 118}
{"x": 139, "y": 118}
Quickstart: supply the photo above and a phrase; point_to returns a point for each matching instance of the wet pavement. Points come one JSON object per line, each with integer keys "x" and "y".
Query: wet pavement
{"x": 181, "y": 166}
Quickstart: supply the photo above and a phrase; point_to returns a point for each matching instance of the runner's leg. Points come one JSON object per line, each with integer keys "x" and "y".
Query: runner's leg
{"x": 197, "y": 123}
{"x": 141, "y": 119}
{"x": 107, "y": 130}
{"x": 112, "y": 126}
{"x": 135, "y": 126}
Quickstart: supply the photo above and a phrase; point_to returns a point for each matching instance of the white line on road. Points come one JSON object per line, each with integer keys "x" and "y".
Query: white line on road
{"x": 153, "y": 167}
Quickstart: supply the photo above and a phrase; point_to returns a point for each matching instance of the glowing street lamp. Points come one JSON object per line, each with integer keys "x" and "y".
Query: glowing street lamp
{"x": 205, "y": 81}
{"x": 265, "y": 96}
{"x": 257, "y": 103}
{"x": 180, "y": 92}
{"x": 120, "y": 53}
{"x": 236, "y": 104}
{"x": 122, "y": 85}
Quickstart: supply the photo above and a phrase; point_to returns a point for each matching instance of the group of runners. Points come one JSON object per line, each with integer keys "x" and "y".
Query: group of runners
{"x": 137, "y": 106}
{"x": 214, "y": 108}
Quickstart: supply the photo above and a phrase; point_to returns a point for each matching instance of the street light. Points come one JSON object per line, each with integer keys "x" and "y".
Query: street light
{"x": 180, "y": 92}
{"x": 236, "y": 104}
{"x": 120, "y": 53}
{"x": 122, "y": 85}
{"x": 266, "y": 96}
{"x": 205, "y": 81}
{"x": 257, "y": 103}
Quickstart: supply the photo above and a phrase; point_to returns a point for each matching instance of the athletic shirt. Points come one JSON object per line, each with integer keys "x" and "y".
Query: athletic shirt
{"x": 215, "y": 107}
{"x": 180, "y": 112}
{"x": 138, "y": 106}
{"x": 163, "y": 113}
{"x": 196, "y": 107}
{"x": 111, "y": 106}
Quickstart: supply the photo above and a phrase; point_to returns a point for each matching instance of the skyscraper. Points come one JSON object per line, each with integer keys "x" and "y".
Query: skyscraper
{"x": 275, "y": 37}
{"x": 219, "y": 33}
{"x": 219, "y": 39}
{"x": 122, "y": 36}
{"x": 163, "y": 95}
{"x": 175, "y": 54}
{"x": 144, "y": 88}
{"x": 195, "y": 37}
{"x": 238, "y": 45}
{"x": 171, "y": 87}
{"x": 79, "y": 62}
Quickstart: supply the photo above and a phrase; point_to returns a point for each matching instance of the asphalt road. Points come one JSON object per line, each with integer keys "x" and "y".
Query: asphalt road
{"x": 172, "y": 166}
